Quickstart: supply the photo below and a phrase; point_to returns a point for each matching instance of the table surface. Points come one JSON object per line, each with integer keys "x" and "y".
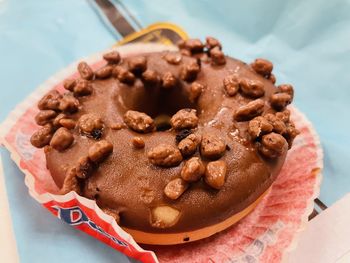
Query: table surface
{"x": 308, "y": 41}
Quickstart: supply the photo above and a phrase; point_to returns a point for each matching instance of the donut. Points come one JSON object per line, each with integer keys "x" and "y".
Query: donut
{"x": 174, "y": 145}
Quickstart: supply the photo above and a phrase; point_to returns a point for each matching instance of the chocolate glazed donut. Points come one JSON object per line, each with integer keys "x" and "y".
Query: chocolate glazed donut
{"x": 169, "y": 143}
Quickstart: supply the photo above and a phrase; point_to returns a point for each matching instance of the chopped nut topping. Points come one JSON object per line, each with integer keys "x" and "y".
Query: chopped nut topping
{"x": 184, "y": 119}
{"x": 50, "y": 101}
{"x": 164, "y": 216}
{"x": 217, "y": 56}
{"x": 212, "y": 147}
{"x": 252, "y": 88}
{"x": 45, "y": 116}
{"x": 286, "y": 88}
{"x": 193, "y": 170}
{"x": 137, "y": 65}
{"x": 231, "y": 84}
{"x": 70, "y": 183}
{"x": 272, "y": 78}
{"x": 165, "y": 155}
{"x": 69, "y": 104}
{"x": 259, "y": 126}
{"x": 67, "y": 123}
{"x": 104, "y": 72}
{"x": 69, "y": 84}
{"x": 195, "y": 91}
{"x": 181, "y": 44}
{"x": 188, "y": 145}
{"x": 190, "y": 71}
{"x": 290, "y": 134}
{"x": 273, "y": 145}
{"x": 42, "y": 137}
{"x": 175, "y": 188}
{"x": 193, "y": 45}
{"x": 85, "y": 71}
{"x": 281, "y": 124}
{"x": 212, "y": 42}
{"x": 100, "y": 150}
{"x": 62, "y": 139}
{"x": 250, "y": 110}
{"x": 138, "y": 142}
{"x": 278, "y": 124}
{"x": 123, "y": 75}
{"x": 283, "y": 116}
{"x": 280, "y": 100}
{"x": 84, "y": 167}
{"x": 56, "y": 121}
{"x": 150, "y": 77}
{"x": 82, "y": 88}
{"x": 262, "y": 67}
{"x": 169, "y": 80}
{"x": 139, "y": 121}
{"x": 112, "y": 57}
{"x": 215, "y": 174}
{"x": 90, "y": 123}
{"x": 173, "y": 58}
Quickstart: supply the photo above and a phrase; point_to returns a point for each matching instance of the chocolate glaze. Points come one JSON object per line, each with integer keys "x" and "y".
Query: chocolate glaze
{"x": 127, "y": 182}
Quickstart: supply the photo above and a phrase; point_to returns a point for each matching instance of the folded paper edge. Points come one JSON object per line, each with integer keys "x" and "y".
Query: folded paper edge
{"x": 316, "y": 190}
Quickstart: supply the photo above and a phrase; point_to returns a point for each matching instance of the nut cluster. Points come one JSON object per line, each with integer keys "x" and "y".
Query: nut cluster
{"x": 139, "y": 121}
{"x": 250, "y": 110}
{"x": 273, "y": 133}
{"x": 184, "y": 119}
{"x": 55, "y": 109}
{"x": 75, "y": 176}
{"x": 282, "y": 97}
{"x": 211, "y": 49}
{"x": 91, "y": 125}
{"x": 57, "y": 120}
{"x": 266, "y": 130}
{"x": 165, "y": 155}
{"x": 249, "y": 88}
{"x": 264, "y": 68}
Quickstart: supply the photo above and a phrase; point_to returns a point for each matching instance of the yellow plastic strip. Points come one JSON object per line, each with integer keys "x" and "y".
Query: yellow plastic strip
{"x": 154, "y": 29}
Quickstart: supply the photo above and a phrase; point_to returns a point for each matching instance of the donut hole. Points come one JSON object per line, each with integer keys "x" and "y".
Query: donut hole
{"x": 159, "y": 103}
{"x": 162, "y": 122}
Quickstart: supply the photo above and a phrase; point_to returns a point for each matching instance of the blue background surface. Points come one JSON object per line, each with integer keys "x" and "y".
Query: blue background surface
{"x": 308, "y": 41}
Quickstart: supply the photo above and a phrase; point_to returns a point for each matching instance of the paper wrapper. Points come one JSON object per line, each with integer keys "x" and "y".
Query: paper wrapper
{"x": 265, "y": 235}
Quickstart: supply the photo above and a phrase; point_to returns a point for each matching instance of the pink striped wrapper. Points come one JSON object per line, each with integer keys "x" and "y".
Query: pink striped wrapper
{"x": 265, "y": 235}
